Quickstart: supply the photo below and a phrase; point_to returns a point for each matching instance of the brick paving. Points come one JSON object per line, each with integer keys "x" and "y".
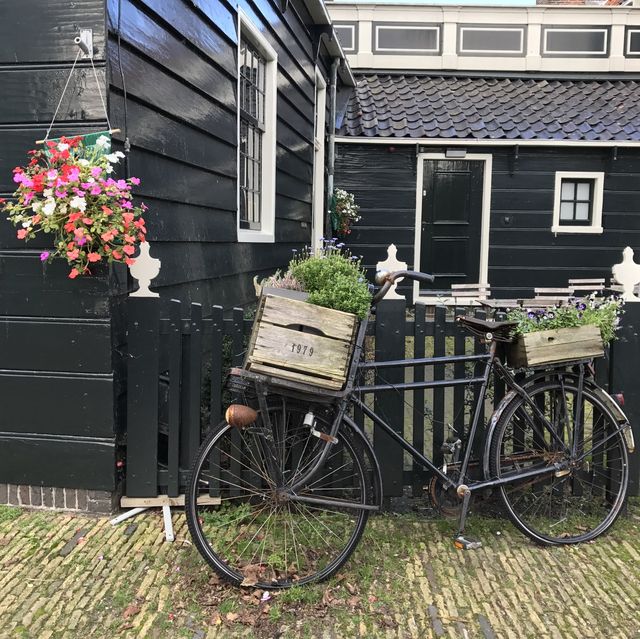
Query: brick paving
{"x": 68, "y": 577}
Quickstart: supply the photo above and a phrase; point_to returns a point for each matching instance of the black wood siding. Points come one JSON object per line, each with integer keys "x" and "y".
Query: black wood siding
{"x": 179, "y": 62}
{"x": 59, "y": 367}
{"x": 523, "y": 253}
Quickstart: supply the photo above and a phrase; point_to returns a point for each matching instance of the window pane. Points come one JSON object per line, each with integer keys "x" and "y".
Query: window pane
{"x": 584, "y": 191}
{"x": 582, "y": 211}
{"x": 566, "y": 211}
{"x": 568, "y": 190}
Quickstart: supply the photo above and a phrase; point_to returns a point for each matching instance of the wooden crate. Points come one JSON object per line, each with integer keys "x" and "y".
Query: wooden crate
{"x": 295, "y": 340}
{"x": 559, "y": 345}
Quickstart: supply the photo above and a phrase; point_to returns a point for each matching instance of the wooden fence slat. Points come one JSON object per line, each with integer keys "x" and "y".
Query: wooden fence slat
{"x": 390, "y": 345}
{"x": 459, "y": 371}
{"x": 418, "y": 399}
{"x": 192, "y": 384}
{"x": 215, "y": 359}
{"x": 439, "y": 349}
{"x": 479, "y": 348}
{"x": 175, "y": 398}
{"x": 142, "y": 396}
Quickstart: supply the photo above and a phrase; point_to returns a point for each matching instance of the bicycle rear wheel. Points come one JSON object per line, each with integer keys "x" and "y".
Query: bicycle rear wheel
{"x": 244, "y": 524}
{"x": 573, "y": 505}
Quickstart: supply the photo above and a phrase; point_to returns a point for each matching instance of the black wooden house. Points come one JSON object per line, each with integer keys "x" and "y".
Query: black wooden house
{"x": 223, "y": 108}
{"x": 492, "y": 144}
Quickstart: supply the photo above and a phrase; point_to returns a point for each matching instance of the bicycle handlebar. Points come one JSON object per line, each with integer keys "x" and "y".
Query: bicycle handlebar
{"x": 385, "y": 280}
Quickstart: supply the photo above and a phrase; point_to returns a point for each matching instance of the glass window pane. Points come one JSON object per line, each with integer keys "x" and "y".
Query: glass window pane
{"x": 582, "y": 211}
{"x": 584, "y": 190}
{"x": 566, "y": 211}
{"x": 568, "y": 190}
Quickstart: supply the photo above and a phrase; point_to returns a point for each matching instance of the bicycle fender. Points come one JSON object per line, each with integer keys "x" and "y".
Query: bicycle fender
{"x": 377, "y": 497}
{"x": 493, "y": 422}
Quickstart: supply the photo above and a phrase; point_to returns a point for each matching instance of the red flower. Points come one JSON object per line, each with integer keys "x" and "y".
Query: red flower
{"x": 94, "y": 257}
{"x": 106, "y": 210}
{"x": 129, "y": 238}
{"x": 117, "y": 255}
{"x": 73, "y": 255}
{"x": 87, "y": 220}
{"x": 69, "y": 227}
{"x": 75, "y": 216}
{"x": 73, "y": 273}
{"x": 22, "y": 233}
{"x": 128, "y": 249}
{"x": 128, "y": 218}
{"x": 129, "y": 261}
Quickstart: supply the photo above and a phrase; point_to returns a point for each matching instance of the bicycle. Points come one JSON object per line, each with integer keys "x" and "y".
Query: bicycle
{"x": 280, "y": 493}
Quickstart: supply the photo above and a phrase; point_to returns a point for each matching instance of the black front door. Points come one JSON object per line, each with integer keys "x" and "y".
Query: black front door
{"x": 451, "y": 221}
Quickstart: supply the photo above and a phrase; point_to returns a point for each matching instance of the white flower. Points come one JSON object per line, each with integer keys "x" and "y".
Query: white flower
{"x": 83, "y": 162}
{"x": 109, "y": 168}
{"x": 49, "y": 207}
{"x": 112, "y": 157}
{"x": 36, "y": 206}
{"x": 78, "y": 203}
{"x": 90, "y": 180}
{"x": 103, "y": 140}
{"x": 63, "y": 209}
{"x": 62, "y": 146}
{"x": 47, "y": 192}
{"x": 26, "y": 225}
{"x": 119, "y": 154}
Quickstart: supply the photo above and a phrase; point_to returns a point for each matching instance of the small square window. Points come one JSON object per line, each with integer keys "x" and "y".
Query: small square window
{"x": 578, "y": 202}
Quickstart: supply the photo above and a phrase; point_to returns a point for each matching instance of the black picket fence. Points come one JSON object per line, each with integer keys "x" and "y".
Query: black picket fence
{"x": 178, "y": 359}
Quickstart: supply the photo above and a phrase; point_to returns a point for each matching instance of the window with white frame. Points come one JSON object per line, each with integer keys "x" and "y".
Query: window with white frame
{"x": 257, "y": 87}
{"x": 578, "y": 202}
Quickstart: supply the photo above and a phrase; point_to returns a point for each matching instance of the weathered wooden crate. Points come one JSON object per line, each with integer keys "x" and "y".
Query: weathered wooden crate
{"x": 294, "y": 340}
{"x": 555, "y": 346}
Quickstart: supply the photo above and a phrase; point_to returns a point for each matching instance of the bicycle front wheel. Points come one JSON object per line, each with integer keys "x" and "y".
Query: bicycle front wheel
{"x": 575, "y": 504}
{"x": 244, "y": 521}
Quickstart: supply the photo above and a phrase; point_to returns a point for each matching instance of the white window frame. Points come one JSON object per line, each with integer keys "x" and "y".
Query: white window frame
{"x": 595, "y": 226}
{"x": 266, "y": 233}
{"x": 417, "y": 27}
{"x": 318, "y": 207}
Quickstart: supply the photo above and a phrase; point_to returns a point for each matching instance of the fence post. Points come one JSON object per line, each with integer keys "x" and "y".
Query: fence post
{"x": 143, "y": 341}
{"x": 625, "y": 355}
{"x": 390, "y": 345}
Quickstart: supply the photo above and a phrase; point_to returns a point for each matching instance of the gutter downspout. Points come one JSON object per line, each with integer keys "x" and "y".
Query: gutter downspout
{"x": 331, "y": 155}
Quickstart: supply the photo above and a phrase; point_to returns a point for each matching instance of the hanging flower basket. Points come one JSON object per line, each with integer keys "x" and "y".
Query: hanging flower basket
{"x": 67, "y": 192}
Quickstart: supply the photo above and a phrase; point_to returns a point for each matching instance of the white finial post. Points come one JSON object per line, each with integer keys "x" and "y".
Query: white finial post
{"x": 627, "y": 273}
{"x": 144, "y": 269}
{"x": 392, "y": 264}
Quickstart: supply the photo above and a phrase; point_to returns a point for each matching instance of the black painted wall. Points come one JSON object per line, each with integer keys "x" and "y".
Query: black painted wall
{"x": 179, "y": 61}
{"x": 522, "y": 255}
{"x": 59, "y": 341}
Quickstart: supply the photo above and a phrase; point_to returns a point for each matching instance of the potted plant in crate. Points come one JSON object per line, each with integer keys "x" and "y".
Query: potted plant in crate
{"x": 311, "y": 339}
{"x": 67, "y": 191}
{"x": 577, "y": 330}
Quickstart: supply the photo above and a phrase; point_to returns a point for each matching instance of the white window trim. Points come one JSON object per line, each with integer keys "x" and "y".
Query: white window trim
{"x": 268, "y": 195}
{"x": 519, "y": 30}
{"x": 318, "y": 161}
{"x": 487, "y": 158}
{"x": 548, "y": 30}
{"x": 598, "y": 189}
{"x": 435, "y": 28}
{"x": 352, "y": 28}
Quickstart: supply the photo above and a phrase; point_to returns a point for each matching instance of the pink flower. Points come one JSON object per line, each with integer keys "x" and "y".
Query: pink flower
{"x": 73, "y": 175}
{"x": 61, "y": 193}
{"x": 22, "y": 233}
{"x": 121, "y": 184}
{"x": 94, "y": 257}
{"x": 73, "y": 255}
{"x": 73, "y": 273}
{"x": 96, "y": 171}
{"x": 129, "y": 261}
{"x": 28, "y": 196}
{"x": 128, "y": 249}
{"x": 44, "y": 256}
{"x": 134, "y": 180}
{"x": 125, "y": 204}
{"x": 78, "y": 232}
{"x": 82, "y": 241}
{"x": 52, "y": 174}
{"x": 96, "y": 190}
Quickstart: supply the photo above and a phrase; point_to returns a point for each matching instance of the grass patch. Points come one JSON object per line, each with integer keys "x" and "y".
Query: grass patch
{"x": 9, "y": 513}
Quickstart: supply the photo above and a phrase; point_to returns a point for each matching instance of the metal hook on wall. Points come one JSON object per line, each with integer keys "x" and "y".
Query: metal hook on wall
{"x": 85, "y": 42}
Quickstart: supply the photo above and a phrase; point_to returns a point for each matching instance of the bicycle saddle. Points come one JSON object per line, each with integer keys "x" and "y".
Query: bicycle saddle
{"x": 478, "y": 326}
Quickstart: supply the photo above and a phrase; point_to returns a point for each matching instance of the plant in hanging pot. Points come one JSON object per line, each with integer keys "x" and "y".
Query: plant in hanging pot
{"x": 577, "y": 330}
{"x": 67, "y": 191}
{"x": 344, "y": 212}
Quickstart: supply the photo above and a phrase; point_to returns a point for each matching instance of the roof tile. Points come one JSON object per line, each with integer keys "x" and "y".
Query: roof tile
{"x": 493, "y": 108}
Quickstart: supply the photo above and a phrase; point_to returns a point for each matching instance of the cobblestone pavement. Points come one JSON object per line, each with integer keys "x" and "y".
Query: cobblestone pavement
{"x": 78, "y": 577}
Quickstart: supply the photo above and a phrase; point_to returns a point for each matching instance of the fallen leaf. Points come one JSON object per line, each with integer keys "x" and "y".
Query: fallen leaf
{"x": 131, "y": 611}
{"x": 216, "y": 620}
{"x": 353, "y": 602}
{"x": 351, "y": 588}
{"x": 231, "y": 616}
{"x": 265, "y": 609}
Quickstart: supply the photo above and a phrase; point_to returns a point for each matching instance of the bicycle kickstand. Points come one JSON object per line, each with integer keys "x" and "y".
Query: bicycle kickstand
{"x": 461, "y": 542}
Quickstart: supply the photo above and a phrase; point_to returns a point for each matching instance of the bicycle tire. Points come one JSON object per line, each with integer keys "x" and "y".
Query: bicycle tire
{"x": 562, "y": 507}
{"x": 285, "y": 543}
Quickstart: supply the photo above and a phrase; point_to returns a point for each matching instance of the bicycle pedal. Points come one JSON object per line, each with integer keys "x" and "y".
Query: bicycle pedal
{"x": 461, "y": 543}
